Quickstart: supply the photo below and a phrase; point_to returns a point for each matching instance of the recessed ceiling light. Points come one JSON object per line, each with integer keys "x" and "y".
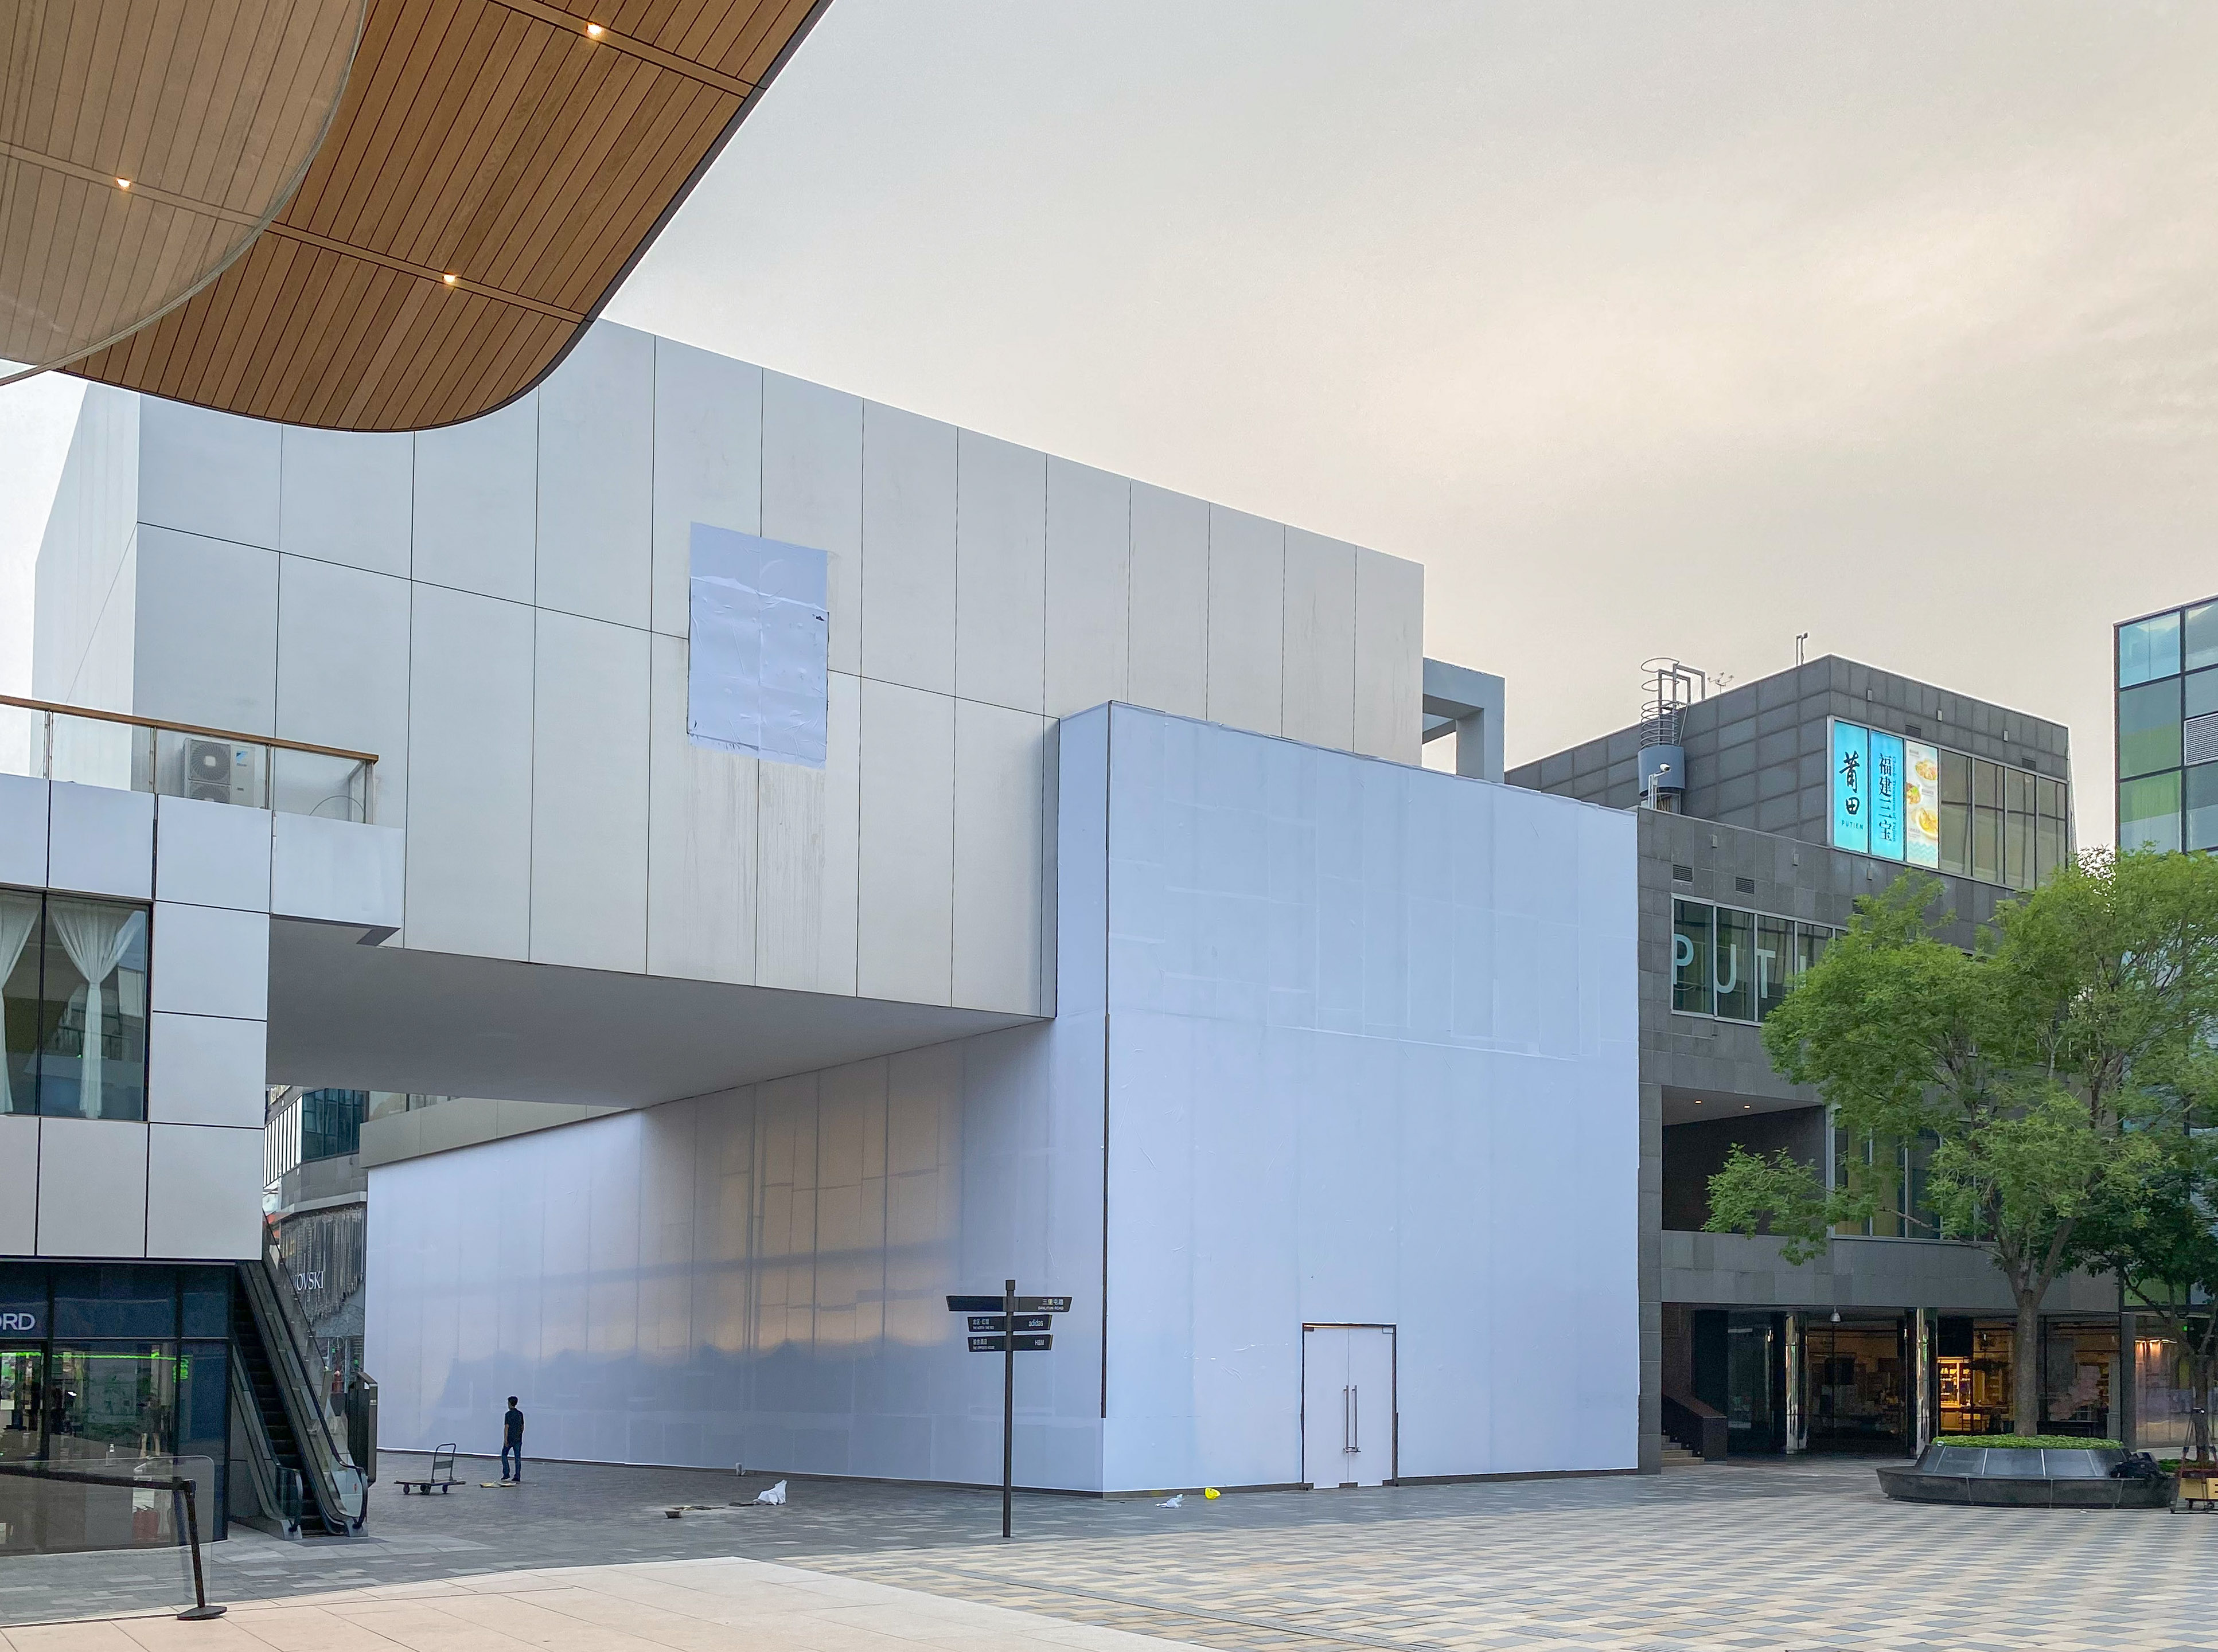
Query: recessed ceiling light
{"x": 449, "y": 279}
{"x": 123, "y": 183}
{"x": 593, "y": 29}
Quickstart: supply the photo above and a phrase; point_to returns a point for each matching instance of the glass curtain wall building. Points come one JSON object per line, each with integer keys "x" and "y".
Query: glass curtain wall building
{"x": 2167, "y": 728}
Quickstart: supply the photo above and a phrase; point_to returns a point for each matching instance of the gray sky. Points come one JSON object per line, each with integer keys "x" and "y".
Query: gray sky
{"x": 1646, "y": 328}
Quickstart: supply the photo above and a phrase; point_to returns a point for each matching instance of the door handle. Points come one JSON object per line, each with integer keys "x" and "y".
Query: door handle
{"x": 1351, "y": 1420}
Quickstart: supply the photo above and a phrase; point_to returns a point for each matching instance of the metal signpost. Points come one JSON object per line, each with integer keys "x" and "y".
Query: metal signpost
{"x": 1009, "y": 1325}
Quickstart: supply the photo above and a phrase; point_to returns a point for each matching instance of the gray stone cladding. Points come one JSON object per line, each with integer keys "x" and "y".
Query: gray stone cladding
{"x": 1756, "y": 753}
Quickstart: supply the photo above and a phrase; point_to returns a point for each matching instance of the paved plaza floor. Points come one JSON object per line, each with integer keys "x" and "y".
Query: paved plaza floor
{"x": 1802, "y": 1556}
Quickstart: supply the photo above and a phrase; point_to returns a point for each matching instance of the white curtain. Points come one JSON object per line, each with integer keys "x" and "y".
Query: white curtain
{"x": 96, "y": 936}
{"x": 19, "y": 916}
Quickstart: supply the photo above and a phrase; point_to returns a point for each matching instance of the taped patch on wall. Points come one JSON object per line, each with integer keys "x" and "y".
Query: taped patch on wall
{"x": 755, "y": 671}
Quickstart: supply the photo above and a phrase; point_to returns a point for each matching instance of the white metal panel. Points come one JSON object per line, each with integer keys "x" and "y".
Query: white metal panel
{"x": 206, "y": 473}
{"x": 906, "y": 888}
{"x": 477, "y": 503}
{"x": 708, "y": 461}
{"x": 212, "y": 854}
{"x": 908, "y": 549}
{"x": 1324, "y": 1405}
{"x": 1169, "y": 645}
{"x": 343, "y": 675}
{"x": 23, "y": 830}
{"x": 210, "y": 961}
{"x": 1089, "y": 589}
{"x": 19, "y": 1185}
{"x": 205, "y": 1069}
{"x": 700, "y": 841}
{"x": 101, "y": 841}
{"x": 1285, "y": 1055}
{"x": 597, "y": 479}
{"x": 589, "y": 795}
{"x": 469, "y": 795}
{"x": 807, "y": 828}
{"x": 348, "y": 497}
{"x": 1001, "y": 573}
{"x": 337, "y": 871}
{"x": 203, "y": 1192}
{"x": 84, "y": 559}
{"x": 999, "y": 762}
{"x": 1390, "y": 656}
{"x": 812, "y": 491}
{"x": 1318, "y": 698}
{"x": 205, "y": 650}
{"x": 1246, "y": 605}
{"x": 92, "y": 1188}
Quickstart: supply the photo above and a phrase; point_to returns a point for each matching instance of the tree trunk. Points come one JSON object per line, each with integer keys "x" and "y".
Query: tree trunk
{"x": 2025, "y": 1366}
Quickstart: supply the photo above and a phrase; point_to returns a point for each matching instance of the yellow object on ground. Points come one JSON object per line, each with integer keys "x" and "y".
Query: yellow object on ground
{"x": 1210, "y": 1492}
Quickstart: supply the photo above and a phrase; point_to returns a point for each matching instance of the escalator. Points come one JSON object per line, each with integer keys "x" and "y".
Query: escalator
{"x": 301, "y": 1475}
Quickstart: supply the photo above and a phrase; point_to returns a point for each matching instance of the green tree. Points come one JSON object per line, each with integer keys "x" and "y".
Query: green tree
{"x": 2026, "y": 1063}
{"x": 2155, "y": 1222}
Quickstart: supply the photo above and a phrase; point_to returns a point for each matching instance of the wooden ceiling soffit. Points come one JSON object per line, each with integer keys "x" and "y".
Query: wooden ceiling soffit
{"x": 494, "y": 171}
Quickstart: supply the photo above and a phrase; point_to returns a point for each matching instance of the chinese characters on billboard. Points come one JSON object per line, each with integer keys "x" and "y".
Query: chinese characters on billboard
{"x": 1851, "y": 788}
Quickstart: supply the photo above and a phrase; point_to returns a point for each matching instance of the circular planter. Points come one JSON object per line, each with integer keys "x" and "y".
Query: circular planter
{"x": 2023, "y": 1478}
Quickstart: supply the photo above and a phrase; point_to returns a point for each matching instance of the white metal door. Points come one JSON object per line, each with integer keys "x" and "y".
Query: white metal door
{"x": 1347, "y": 1405}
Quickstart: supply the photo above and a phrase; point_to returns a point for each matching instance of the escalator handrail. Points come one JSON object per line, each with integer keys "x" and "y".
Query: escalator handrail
{"x": 262, "y": 1464}
{"x": 326, "y": 1467}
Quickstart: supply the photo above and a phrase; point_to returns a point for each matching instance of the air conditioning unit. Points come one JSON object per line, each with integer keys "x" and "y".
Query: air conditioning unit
{"x": 218, "y": 771}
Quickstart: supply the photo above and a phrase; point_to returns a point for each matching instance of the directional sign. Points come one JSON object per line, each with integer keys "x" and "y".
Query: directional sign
{"x": 1042, "y": 1305}
{"x": 998, "y": 1322}
{"x": 1035, "y": 1344}
{"x": 976, "y": 1304}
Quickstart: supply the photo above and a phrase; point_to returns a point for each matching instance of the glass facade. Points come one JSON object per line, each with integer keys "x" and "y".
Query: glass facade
{"x": 2167, "y": 730}
{"x": 1737, "y": 965}
{"x": 115, "y": 1363}
{"x": 73, "y": 1005}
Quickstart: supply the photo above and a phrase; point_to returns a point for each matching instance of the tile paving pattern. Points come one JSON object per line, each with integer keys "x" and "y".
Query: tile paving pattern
{"x": 1805, "y": 1556}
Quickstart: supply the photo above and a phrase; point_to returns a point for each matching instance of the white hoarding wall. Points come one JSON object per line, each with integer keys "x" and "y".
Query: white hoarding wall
{"x": 1360, "y": 1042}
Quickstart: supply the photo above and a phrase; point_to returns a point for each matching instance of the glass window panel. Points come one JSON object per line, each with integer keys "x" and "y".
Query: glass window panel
{"x": 1735, "y": 971}
{"x": 92, "y": 1050}
{"x": 2052, "y": 799}
{"x": 2148, "y": 812}
{"x": 1987, "y": 784}
{"x": 2017, "y": 790}
{"x": 1690, "y": 957}
{"x": 114, "y": 1300}
{"x": 1987, "y": 845}
{"x": 22, "y": 1402}
{"x": 113, "y": 1399}
{"x": 2148, "y": 728}
{"x": 1955, "y": 777}
{"x": 2203, "y": 806}
{"x": 1956, "y": 839}
{"x": 204, "y": 1295}
{"x": 2201, "y": 636}
{"x": 2149, "y": 649}
{"x": 2202, "y": 693}
{"x": 1774, "y": 962}
{"x": 1811, "y": 941}
{"x": 19, "y": 1001}
{"x": 2047, "y": 849}
{"x": 202, "y": 1393}
{"x": 2017, "y": 851}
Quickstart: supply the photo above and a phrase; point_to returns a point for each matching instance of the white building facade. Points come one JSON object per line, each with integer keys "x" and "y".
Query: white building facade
{"x": 1116, "y": 942}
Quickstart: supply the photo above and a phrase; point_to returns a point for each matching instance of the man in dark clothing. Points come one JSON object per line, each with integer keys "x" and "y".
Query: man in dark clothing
{"x": 512, "y": 1445}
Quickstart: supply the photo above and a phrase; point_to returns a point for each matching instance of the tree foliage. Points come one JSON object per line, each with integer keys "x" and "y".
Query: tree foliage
{"x": 2038, "y": 1070}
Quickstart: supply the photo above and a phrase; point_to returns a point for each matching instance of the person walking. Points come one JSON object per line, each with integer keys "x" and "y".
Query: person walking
{"x": 512, "y": 1445}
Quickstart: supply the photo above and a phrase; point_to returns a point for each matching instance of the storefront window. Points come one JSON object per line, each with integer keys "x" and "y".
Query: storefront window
{"x": 2079, "y": 1370}
{"x": 2149, "y": 649}
{"x": 2164, "y": 1399}
{"x": 2148, "y": 728}
{"x": 113, "y": 1399}
{"x": 22, "y": 1399}
{"x": 1775, "y": 964}
{"x": 1735, "y": 972}
{"x": 2148, "y": 812}
{"x": 1973, "y": 1363}
{"x": 1810, "y": 943}
{"x": 1690, "y": 957}
{"x": 1856, "y": 1398}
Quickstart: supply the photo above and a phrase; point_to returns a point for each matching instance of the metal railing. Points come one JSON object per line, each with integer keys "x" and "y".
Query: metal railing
{"x": 47, "y": 741}
{"x": 135, "y": 1524}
